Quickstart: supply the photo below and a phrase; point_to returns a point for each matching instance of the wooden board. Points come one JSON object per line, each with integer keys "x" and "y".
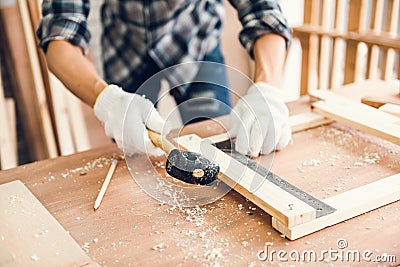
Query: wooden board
{"x": 39, "y": 85}
{"x": 31, "y": 235}
{"x": 391, "y": 109}
{"x": 20, "y": 70}
{"x": 306, "y": 120}
{"x": 270, "y": 197}
{"x": 8, "y": 148}
{"x": 348, "y": 204}
{"x": 357, "y": 115}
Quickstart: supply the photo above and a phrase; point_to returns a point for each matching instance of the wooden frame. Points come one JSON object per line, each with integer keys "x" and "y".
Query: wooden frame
{"x": 301, "y": 220}
{"x": 348, "y": 41}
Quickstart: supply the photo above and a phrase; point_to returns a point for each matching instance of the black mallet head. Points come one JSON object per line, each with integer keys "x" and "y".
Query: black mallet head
{"x": 191, "y": 167}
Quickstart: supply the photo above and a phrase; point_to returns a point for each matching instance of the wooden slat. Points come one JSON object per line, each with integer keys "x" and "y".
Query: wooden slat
{"x": 12, "y": 119}
{"x": 8, "y": 149}
{"x": 392, "y": 16}
{"x": 387, "y": 64}
{"x": 19, "y": 67}
{"x": 271, "y": 198}
{"x": 76, "y": 118}
{"x": 357, "y": 115}
{"x": 46, "y": 123}
{"x": 391, "y": 109}
{"x": 382, "y": 39}
{"x": 34, "y": 12}
{"x": 398, "y": 65}
{"x": 64, "y": 131}
{"x": 313, "y": 62}
{"x": 338, "y": 45}
{"x": 65, "y": 108}
{"x": 325, "y": 54}
{"x": 312, "y": 12}
{"x": 357, "y": 10}
{"x": 32, "y": 235}
{"x": 377, "y": 102}
{"x": 391, "y": 26}
{"x": 376, "y": 27}
{"x": 298, "y": 122}
{"x": 310, "y": 45}
{"x": 305, "y": 44}
{"x": 307, "y": 120}
{"x": 348, "y": 204}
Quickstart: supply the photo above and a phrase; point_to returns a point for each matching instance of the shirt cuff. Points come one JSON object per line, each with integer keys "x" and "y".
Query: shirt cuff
{"x": 73, "y": 30}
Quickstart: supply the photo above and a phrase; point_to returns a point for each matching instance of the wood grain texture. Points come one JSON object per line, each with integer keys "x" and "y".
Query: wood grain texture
{"x": 348, "y": 205}
{"x": 270, "y": 197}
{"x": 31, "y": 235}
{"x": 391, "y": 109}
{"x": 306, "y": 120}
{"x": 22, "y": 80}
{"x": 357, "y": 115}
{"x": 8, "y": 147}
{"x": 39, "y": 85}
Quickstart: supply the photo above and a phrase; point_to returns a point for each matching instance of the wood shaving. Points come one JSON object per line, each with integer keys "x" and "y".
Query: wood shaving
{"x": 34, "y": 258}
{"x": 86, "y": 247}
{"x": 160, "y": 247}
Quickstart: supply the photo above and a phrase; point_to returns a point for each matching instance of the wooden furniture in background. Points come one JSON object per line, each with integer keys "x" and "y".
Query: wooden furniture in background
{"x": 347, "y": 41}
{"x": 52, "y": 119}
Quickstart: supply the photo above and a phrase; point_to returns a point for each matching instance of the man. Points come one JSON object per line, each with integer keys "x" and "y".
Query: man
{"x": 140, "y": 38}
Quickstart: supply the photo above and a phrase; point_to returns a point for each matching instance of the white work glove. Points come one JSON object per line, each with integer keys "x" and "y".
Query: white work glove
{"x": 125, "y": 117}
{"x": 260, "y": 121}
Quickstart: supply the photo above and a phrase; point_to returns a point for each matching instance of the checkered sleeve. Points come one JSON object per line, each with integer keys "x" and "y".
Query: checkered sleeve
{"x": 64, "y": 20}
{"x": 260, "y": 17}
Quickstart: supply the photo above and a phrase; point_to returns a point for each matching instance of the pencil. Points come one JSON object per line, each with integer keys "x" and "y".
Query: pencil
{"x": 105, "y": 184}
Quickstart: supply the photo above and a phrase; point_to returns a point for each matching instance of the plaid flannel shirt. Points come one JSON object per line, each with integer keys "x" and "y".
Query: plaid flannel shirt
{"x": 170, "y": 31}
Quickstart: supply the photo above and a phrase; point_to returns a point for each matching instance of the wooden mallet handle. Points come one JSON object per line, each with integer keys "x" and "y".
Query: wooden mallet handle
{"x": 160, "y": 141}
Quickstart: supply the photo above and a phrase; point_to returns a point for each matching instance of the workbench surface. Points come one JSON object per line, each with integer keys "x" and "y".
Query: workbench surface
{"x": 132, "y": 229}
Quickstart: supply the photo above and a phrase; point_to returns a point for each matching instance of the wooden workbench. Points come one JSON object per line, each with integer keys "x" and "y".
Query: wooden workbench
{"x": 132, "y": 229}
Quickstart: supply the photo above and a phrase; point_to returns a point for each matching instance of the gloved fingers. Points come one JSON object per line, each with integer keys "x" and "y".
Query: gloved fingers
{"x": 128, "y": 150}
{"x": 150, "y": 116}
{"x": 285, "y": 138}
{"x": 108, "y": 130}
{"x": 136, "y": 139}
{"x": 256, "y": 139}
{"x": 156, "y": 123}
{"x": 258, "y": 133}
{"x": 235, "y": 119}
{"x": 149, "y": 147}
{"x": 243, "y": 137}
{"x": 269, "y": 142}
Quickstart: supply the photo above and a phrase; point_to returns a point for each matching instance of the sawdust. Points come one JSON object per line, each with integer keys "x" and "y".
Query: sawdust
{"x": 160, "y": 247}
{"x": 86, "y": 247}
{"x": 100, "y": 162}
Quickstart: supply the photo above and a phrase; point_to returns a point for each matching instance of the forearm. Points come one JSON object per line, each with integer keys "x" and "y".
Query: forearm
{"x": 74, "y": 70}
{"x": 269, "y": 57}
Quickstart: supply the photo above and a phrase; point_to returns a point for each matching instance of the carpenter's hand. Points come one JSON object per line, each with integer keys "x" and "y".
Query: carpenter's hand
{"x": 125, "y": 117}
{"x": 260, "y": 121}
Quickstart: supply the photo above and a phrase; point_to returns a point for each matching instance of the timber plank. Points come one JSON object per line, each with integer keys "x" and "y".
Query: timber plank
{"x": 271, "y": 198}
{"x": 357, "y": 115}
{"x": 348, "y": 204}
